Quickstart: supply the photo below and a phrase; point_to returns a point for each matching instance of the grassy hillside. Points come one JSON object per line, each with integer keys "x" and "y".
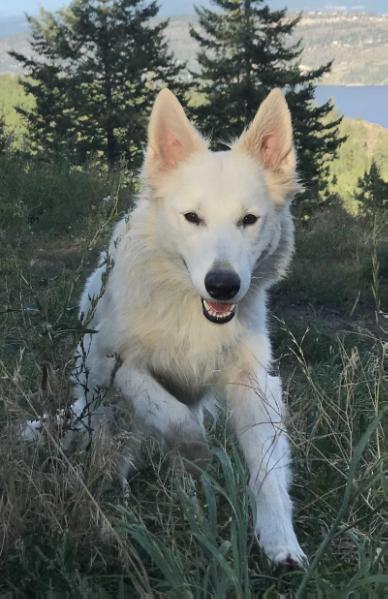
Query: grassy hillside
{"x": 365, "y": 142}
{"x": 12, "y": 95}
{"x": 67, "y": 529}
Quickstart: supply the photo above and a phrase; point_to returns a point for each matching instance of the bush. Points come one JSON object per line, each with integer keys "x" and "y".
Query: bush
{"x": 333, "y": 262}
{"x": 49, "y": 198}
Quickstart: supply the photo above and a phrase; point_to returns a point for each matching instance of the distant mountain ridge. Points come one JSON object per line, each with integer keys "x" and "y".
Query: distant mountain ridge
{"x": 186, "y": 7}
{"x": 357, "y": 43}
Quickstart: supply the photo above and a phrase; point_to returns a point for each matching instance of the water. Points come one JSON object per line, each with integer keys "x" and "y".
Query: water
{"x": 368, "y": 103}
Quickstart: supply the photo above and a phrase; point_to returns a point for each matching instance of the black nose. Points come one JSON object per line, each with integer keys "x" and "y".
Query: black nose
{"x": 222, "y": 284}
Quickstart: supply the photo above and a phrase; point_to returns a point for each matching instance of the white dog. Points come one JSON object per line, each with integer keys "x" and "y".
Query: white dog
{"x": 181, "y": 310}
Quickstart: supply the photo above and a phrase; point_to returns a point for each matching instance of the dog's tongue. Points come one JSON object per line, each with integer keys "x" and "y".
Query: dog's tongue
{"x": 219, "y": 307}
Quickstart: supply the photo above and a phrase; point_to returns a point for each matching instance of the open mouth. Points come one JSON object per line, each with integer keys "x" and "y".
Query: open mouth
{"x": 218, "y": 312}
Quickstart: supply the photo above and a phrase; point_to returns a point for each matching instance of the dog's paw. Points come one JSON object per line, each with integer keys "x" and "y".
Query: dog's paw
{"x": 290, "y": 557}
{"x": 285, "y": 552}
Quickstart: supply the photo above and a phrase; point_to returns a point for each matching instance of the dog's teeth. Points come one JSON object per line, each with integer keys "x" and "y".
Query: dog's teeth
{"x": 218, "y": 316}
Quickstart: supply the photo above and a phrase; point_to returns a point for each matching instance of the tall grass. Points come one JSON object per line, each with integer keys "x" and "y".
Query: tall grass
{"x": 48, "y": 200}
{"x": 67, "y": 528}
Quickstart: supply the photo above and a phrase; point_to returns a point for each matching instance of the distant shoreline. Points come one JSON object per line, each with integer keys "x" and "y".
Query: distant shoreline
{"x": 356, "y": 42}
{"x": 353, "y": 85}
{"x": 328, "y": 12}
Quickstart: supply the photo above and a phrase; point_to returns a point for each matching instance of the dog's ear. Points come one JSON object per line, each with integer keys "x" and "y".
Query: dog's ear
{"x": 171, "y": 136}
{"x": 269, "y": 140}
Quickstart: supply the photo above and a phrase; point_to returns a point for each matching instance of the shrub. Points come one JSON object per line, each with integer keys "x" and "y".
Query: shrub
{"x": 52, "y": 198}
{"x": 333, "y": 262}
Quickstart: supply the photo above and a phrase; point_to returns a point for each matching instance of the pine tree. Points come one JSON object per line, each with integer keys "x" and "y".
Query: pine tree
{"x": 95, "y": 70}
{"x": 372, "y": 192}
{"x": 246, "y": 50}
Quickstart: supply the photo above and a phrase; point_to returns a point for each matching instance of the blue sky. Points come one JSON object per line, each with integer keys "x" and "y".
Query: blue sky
{"x": 18, "y": 7}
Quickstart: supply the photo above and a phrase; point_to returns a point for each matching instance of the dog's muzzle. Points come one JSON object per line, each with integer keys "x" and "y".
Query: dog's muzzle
{"x": 218, "y": 312}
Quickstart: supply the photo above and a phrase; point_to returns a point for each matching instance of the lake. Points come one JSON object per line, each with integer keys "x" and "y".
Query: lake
{"x": 368, "y": 103}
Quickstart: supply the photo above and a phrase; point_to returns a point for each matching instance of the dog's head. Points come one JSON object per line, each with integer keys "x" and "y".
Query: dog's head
{"x": 220, "y": 211}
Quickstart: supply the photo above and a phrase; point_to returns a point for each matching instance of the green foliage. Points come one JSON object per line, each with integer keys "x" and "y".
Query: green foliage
{"x": 364, "y": 143}
{"x": 342, "y": 244}
{"x": 4, "y": 136}
{"x": 372, "y": 193}
{"x": 246, "y": 50}
{"x": 51, "y": 198}
{"x": 95, "y": 69}
{"x": 12, "y": 95}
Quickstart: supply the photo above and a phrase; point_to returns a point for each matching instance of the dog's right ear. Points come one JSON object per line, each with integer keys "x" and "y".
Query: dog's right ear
{"x": 171, "y": 136}
{"x": 269, "y": 141}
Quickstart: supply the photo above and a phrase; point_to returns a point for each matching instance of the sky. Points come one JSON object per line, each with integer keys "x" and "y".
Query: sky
{"x": 168, "y": 7}
{"x": 18, "y": 7}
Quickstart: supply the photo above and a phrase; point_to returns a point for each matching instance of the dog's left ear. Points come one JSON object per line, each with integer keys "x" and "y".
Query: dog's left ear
{"x": 269, "y": 140}
{"x": 172, "y": 139}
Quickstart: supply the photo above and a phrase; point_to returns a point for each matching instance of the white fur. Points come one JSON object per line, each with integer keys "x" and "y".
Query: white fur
{"x": 149, "y": 315}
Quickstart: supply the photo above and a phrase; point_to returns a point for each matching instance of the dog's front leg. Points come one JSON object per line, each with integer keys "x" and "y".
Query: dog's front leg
{"x": 255, "y": 406}
{"x": 159, "y": 414}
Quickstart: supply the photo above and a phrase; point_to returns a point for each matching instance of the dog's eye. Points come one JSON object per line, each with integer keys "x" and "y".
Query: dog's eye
{"x": 193, "y": 218}
{"x": 249, "y": 219}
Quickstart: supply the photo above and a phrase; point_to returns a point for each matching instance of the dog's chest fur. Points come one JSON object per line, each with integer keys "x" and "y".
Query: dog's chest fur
{"x": 170, "y": 337}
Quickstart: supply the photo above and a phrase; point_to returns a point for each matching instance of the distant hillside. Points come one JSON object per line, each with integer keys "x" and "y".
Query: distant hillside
{"x": 173, "y": 8}
{"x": 357, "y": 43}
{"x": 365, "y": 142}
{"x": 18, "y": 42}
{"x": 11, "y": 95}
{"x": 186, "y": 7}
